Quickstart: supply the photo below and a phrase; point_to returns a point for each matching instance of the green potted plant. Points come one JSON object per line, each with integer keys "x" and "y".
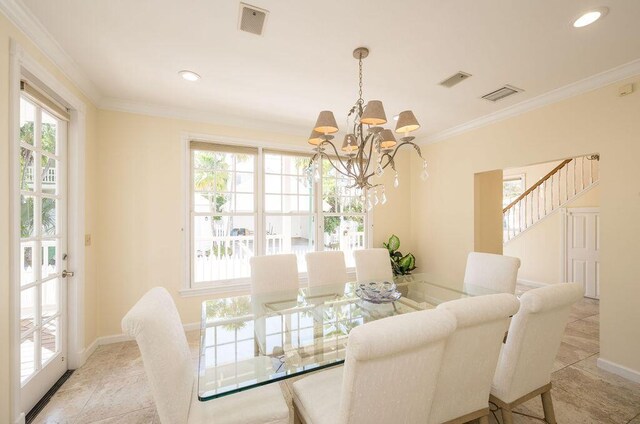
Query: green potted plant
{"x": 401, "y": 264}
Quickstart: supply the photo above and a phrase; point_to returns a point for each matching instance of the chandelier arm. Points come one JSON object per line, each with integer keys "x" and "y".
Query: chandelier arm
{"x": 327, "y": 157}
{"x": 370, "y": 140}
{"x": 391, "y": 156}
{"x": 337, "y": 155}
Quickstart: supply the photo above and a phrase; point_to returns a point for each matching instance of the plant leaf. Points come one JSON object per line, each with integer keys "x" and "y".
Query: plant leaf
{"x": 394, "y": 243}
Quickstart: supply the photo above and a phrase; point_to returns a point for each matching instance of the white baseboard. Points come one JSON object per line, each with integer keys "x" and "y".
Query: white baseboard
{"x": 84, "y": 354}
{"x": 531, "y": 283}
{"x": 119, "y": 338}
{"x": 20, "y": 419}
{"x": 620, "y": 370}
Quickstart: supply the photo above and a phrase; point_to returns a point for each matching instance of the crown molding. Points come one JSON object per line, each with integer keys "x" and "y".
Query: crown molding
{"x": 26, "y": 22}
{"x": 201, "y": 116}
{"x": 574, "y": 89}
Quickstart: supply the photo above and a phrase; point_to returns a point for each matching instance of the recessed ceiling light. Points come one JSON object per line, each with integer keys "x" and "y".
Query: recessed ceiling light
{"x": 590, "y": 17}
{"x": 189, "y": 75}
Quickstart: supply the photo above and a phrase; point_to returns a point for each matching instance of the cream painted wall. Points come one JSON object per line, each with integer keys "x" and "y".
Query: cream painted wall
{"x": 9, "y": 31}
{"x": 539, "y": 248}
{"x": 599, "y": 121}
{"x": 487, "y": 211}
{"x": 141, "y": 198}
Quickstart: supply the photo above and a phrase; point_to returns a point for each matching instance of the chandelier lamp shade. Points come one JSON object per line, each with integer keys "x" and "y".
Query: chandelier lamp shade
{"x": 368, "y": 148}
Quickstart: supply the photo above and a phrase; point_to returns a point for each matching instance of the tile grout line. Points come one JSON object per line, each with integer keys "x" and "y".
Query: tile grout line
{"x": 119, "y": 415}
{"x": 637, "y": 416}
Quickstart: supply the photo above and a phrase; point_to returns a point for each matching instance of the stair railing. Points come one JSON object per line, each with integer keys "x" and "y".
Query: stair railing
{"x": 563, "y": 183}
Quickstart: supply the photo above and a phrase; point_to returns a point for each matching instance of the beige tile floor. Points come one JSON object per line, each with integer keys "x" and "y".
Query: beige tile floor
{"x": 112, "y": 388}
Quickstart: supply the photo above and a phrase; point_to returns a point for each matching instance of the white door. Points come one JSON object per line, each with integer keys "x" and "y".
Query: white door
{"x": 583, "y": 248}
{"x": 42, "y": 251}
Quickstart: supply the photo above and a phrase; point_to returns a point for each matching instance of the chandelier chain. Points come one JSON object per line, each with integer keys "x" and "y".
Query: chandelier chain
{"x": 360, "y": 100}
{"x": 367, "y": 141}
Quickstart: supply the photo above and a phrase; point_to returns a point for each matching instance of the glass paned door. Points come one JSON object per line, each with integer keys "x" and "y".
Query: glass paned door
{"x": 42, "y": 256}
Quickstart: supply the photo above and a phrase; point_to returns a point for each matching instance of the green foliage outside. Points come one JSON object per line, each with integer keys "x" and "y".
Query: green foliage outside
{"x": 230, "y": 307}
{"x": 27, "y": 211}
{"x": 401, "y": 264}
{"x": 338, "y": 203}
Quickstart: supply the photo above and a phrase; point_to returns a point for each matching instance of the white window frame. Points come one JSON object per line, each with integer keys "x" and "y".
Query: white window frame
{"x": 515, "y": 177}
{"x": 243, "y": 285}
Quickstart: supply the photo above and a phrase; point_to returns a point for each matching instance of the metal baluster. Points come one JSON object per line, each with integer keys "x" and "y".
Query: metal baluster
{"x": 582, "y": 173}
{"x": 524, "y": 217}
{"x": 520, "y": 216}
{"x": 566, "y": 183}
{"x": 511, "y": 225}
{"x": 544, "y": 198}
{"x": 551, "y": 191}
{"x": 591, "y": 171}
{"x": 575, "y": 175}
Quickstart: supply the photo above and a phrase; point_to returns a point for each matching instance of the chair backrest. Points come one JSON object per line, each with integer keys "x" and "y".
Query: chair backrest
{"x": 535, "y": 334}
{"x": 471, "y": 354}
{"x": 326, "y": 268}
{"x": 273, "y": 273}
{"x": 391, "y": 368}
{"x": 155, "y": 323}
{"x": 496, "y": 272}
{"x": 373, "y": 265}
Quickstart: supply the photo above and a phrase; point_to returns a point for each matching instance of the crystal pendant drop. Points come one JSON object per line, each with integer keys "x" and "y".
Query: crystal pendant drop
{"x": 316, "y": 174}
{"x": 383, "y": 198}
{"x": 379, "y": 170}
{"x": 376, "y": 200}
{"x": 369, "y": 204}
{"x": 396, "y": 182}
{"x": 424, "y": 174}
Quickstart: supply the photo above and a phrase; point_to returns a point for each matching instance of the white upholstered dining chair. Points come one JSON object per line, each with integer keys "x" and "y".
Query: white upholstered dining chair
{"x": 155, "y": 323}
{"x": 326, "y": 267}
{"x": 526, "y": 361}
{"x": 373, "y": 265}
{"x": 273, "y": 273}
{"x": 470, "y": 357}
{"x": 495, "y": 272}
{"x": 388, "y": 376}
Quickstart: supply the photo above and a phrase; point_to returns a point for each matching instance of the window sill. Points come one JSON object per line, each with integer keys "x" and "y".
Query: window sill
{"x": 238, "y": 287}
{"x": 221, "y": 289}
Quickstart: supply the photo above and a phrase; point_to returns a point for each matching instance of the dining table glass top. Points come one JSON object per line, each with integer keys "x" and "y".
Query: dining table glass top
{"x": 249, "y": 341}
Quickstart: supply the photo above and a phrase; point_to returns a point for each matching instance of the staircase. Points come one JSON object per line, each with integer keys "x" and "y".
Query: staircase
{"x": 565, "y": 182}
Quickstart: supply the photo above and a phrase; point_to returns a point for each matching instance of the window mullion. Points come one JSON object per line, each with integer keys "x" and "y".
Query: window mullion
{"x": 259, "y": 195}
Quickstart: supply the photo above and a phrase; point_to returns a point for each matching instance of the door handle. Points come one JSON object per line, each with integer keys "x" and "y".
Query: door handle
{"x": 66, "y": 274}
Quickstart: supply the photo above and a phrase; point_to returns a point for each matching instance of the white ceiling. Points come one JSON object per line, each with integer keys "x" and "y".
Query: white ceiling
{"x": 132, "y": 51}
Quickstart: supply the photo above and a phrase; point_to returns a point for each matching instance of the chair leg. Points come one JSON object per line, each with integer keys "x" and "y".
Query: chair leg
{"x": 507, "y": 416}
{"x": 547, "y": 406}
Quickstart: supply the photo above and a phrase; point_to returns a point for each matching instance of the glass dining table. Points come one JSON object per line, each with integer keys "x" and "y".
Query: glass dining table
{"x": 250, "y": 341}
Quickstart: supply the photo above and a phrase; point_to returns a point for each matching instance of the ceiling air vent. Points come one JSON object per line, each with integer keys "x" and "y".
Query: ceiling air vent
{"x": 252, "y": 18}
{"x": 501, "y": 93}
{"x": 455, "y": 79}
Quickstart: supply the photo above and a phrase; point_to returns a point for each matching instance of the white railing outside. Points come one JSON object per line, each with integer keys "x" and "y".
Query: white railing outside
{"x": 567, "y": 183}
{"x": 227, "y": 257}
{"x": 49, "y": 177}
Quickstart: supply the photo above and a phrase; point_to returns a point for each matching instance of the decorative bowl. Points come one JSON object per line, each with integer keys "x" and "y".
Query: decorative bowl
{"x": 378, "y": 292}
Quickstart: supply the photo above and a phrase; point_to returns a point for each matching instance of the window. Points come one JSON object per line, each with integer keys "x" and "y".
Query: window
{"x": 512, "y": 187}
{"x": 288, "y": 206}
{"x": 247, "y": 201}
{"x": 342, "y": 213}
{"x": 223, "y": 217}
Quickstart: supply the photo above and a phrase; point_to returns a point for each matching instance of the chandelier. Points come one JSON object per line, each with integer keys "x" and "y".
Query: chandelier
{"x": 366, "y": 141}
